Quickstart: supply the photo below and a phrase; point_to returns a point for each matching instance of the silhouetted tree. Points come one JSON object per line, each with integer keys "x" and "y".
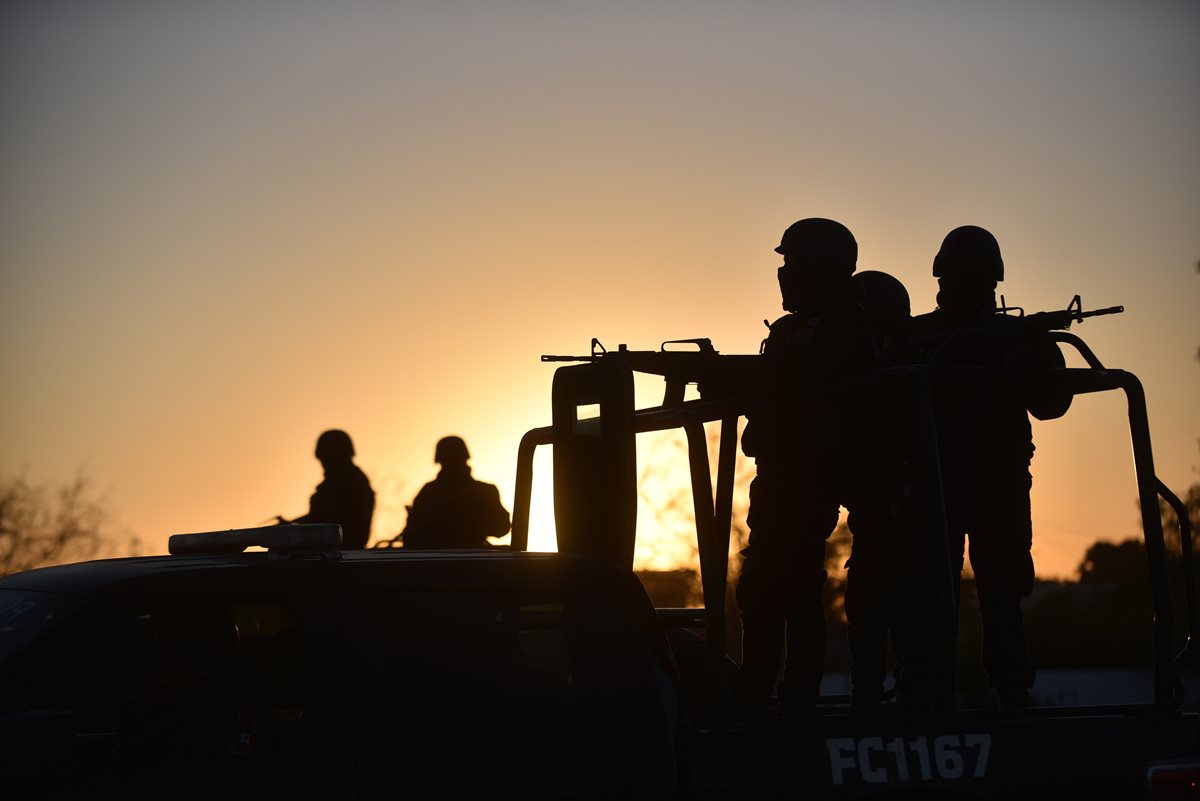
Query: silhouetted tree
{"x": 1170, "y": 521}
{"x": 43, "y": 525}
{"x": 1114, "y": 563}
{"x": 1106, "y": 619}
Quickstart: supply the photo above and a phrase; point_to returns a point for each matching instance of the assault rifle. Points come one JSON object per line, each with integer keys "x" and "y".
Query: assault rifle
{"x": 1054, "y": 320}
{"x": 700, "y": 363}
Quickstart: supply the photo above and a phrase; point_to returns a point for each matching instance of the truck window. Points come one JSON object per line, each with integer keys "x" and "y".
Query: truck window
{"x": 24, "y": 616}
{"x": 490, "y": 669}
{"x": 171, "y": 685}
{"x": 218, "y": 681}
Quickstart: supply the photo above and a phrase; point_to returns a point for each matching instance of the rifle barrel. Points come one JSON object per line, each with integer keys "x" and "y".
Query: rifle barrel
{"x": 549, "y": 358}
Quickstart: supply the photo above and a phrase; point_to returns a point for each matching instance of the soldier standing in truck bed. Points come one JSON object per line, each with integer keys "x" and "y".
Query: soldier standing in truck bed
{"x": 799, "y": 441}
{"x": 879, "y": 573}
{"x": 986, "y": 447}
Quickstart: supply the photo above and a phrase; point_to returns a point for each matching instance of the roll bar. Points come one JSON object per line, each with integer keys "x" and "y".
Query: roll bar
{"x": 713, "y": 517}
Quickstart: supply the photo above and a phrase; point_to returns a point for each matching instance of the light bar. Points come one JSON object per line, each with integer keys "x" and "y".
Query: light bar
{"x": 302, "y": 537}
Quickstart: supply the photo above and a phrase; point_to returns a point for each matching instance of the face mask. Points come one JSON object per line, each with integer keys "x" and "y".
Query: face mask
{"x": 969, "y": 296}
{"x": 791, "y": 287}
{"x": 806, "y": 285}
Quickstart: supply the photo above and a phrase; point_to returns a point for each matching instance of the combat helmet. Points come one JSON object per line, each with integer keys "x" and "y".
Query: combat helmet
{"x": 334, "y": 444}
{"x": 818, "y": 242}
{"x": 969, "y": 250}
{"x": 884, "y": 298}
{"x": 451, "y": 450}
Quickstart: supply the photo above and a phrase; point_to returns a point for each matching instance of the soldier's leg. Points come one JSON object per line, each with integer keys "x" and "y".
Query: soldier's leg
{"x": 926, "y": 634}
{"x": 759, "y": 596}
{"x": 759, "y": 593}
{"x": 870, "y": 599}
{"x": 924, "y": 638}
{"x": 813, "y": 521}
{"x": 1004, "y": 575}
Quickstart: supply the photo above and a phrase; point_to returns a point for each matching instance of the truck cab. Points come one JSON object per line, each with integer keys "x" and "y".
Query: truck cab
{"x": 303, "y": 672}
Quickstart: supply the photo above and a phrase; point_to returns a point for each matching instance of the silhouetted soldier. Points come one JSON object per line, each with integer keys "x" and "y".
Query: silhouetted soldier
{"x": 797, "y": 440}
{"x": 986, "y": 445}
{"x": 455, "y": 510}
{"x": 878, "y": 574}
{"x": 345, "y": 496}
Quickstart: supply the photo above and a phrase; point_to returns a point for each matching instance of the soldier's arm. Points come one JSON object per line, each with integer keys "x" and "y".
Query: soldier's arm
{"x": 416, "y": 527}
{"x": 500, "y": 522}
{"x": 1040, "y": 353}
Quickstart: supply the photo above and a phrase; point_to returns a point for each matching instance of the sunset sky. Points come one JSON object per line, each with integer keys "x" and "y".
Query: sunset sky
{"x": 226, "y": 227}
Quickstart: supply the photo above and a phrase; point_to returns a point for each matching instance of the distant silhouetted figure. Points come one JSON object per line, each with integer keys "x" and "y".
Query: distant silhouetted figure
{"x": 879, "y": 571}
{"x": 798, "y": 440}
{"x": 986, "y": 446}
{"x": 454, "y": 510}
{"x": 345, "y": 496}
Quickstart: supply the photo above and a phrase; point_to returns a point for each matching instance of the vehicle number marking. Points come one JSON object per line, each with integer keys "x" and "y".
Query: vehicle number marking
{"x": 879, "y": 760}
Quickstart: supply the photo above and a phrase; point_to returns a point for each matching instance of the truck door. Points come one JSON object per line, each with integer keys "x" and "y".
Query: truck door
{"x": 481, "y": 687}
{"x": 191, "y": 689}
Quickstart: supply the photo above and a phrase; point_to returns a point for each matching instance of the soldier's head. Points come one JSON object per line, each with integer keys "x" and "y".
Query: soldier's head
{"x": 885, "y": 301}
{"x": 968, "y": 266}
{"x": 451, "y": 452}
{"x": 334, "y": 446}
{"x": 818, "y": 256}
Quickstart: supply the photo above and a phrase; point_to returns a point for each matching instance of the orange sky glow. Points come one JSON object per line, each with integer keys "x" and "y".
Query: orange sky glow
{"x": 226, "y": 229}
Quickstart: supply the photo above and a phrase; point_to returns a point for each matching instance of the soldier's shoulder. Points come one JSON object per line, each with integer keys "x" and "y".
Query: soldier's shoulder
{"x": 783, "y": 324}
{"x": 790, "y": 332}
{"x": 361, "y": 477}
{"x": 486, "y": 488}
{"x": 926, "y": 323}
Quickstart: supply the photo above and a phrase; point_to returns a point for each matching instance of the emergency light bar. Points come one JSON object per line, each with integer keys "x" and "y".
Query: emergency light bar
{"x": 288, "y": 539}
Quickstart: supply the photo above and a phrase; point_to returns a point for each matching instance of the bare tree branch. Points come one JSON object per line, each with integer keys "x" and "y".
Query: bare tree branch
{"x": 43, "y": 525}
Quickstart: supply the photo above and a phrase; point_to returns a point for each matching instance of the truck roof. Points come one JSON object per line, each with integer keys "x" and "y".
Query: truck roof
{"x": 84, "y": 579}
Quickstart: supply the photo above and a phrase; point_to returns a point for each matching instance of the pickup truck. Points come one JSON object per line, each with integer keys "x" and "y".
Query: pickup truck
{"x": 301, "y": 672}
